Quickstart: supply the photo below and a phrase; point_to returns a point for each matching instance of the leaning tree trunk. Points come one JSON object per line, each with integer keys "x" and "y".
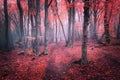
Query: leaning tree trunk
{"x": 106, "y": 24}
{"x": 37, "y": 40}
{"x": 84, "y": 59}
{"x": 8, "y": 44}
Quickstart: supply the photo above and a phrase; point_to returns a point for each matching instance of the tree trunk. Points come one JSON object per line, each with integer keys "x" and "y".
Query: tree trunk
{"x": 21, "y": 19}
{"x": 95, "y": 25}
{"x": 69, "y": 28}
{"x": 118, "y": 29}
{"x": 71, "y": 23}
{"x": 8, "y": 43}
{"x": 37, "y": 27}
{"x": 46, "y": 23}
{"x": 21, "y": 25}
{"x": 56, "y": 31}
{"x": 106, "y": 24}
{"x": 84, "y": 59}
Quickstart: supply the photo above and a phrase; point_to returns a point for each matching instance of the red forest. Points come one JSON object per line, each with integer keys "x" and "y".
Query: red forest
{"x": 59, "y": 39}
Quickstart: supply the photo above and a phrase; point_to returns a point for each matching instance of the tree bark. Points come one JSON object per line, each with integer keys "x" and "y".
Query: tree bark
{"x": 21, "y": 25}
{"x": 37, "y": 27}
{"x": 8, "y": 43}
{"x": 71, "y": 23}
{"x": 118, "y": 29}
{"x": 95, "y": 25}
{"x": 106, "y": 24}
{"x": 84, "y": 59}
{"x": 21, "y": 19}
{"x": 46, "y": 23}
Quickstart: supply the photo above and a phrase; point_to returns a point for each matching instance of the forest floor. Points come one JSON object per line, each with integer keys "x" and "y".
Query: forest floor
{"x": 104, "y": 63}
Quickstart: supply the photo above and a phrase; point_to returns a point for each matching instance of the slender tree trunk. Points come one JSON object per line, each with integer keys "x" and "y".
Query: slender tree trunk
{"x": 95, "y": 25}
{"x": 106, "y": 24}
{"x": 60, "y": 21}
{"x": 46, "y": 23}
{"x": 21, "y": 24}
{"x": 37, "y": 27}
{"x": 56, "y": 31}
{"x": 73, "y": 23}
{"x": 21, "y": 18}
{"x": 84, "y": 59}
{"x": 118, "y": 29}
{"x": 95, "y": 20}
{"x": 69, "y": 28}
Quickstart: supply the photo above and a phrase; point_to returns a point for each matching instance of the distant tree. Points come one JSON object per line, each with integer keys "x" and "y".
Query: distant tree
{"x": 118, "y": 29}
{"x": 21, "y": 27}
{"x": 20, "y": 19}
{"x": 31, "y": 28}
{"x": 56, "y": 14}
{"x": 97, "y": 10}
{"x": 71, "y": 22}
{"x": 106, "y": 24}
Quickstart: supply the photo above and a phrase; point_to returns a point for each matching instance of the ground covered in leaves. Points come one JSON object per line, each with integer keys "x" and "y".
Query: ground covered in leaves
{"x": 104, "y": 63}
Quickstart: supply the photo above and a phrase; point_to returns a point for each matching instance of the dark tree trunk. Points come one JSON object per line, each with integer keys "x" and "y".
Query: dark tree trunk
{"x": 46, "y": 23}
{"x": 84, "y": 59}
{"x": 118, "y": 29}
{"x": 37, "y": 40}
{"x": 21, "y": 19}
{"x": 21, "y": 25}
{"x": 71, "y": 22}
{"x": 8, "y": 44}
{"x": 69, "y": 28}
{"x": 106, "y": 24}
{"x": 56, "y": 31}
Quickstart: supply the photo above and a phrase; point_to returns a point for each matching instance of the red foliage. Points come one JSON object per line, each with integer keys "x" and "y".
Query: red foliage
{"x": 104, "y": 64}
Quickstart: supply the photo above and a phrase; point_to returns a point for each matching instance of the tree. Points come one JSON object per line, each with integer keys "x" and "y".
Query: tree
{"x": 106, "y": 24}
{"x": 118, "y": 29}
{"x": 71, "y": 22}
{"x": 20, "y": 19}
{"x": 55, "y": 11}
{"x": 46, "y": 23}
{"x": 84, "y": 59}
{"x": 32, "y": 25}
{"x": 8, "y": 37}
{"x": 21, "y": 27}
{"x": 37, "y": 27}
{"x": 97, "y": 10}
